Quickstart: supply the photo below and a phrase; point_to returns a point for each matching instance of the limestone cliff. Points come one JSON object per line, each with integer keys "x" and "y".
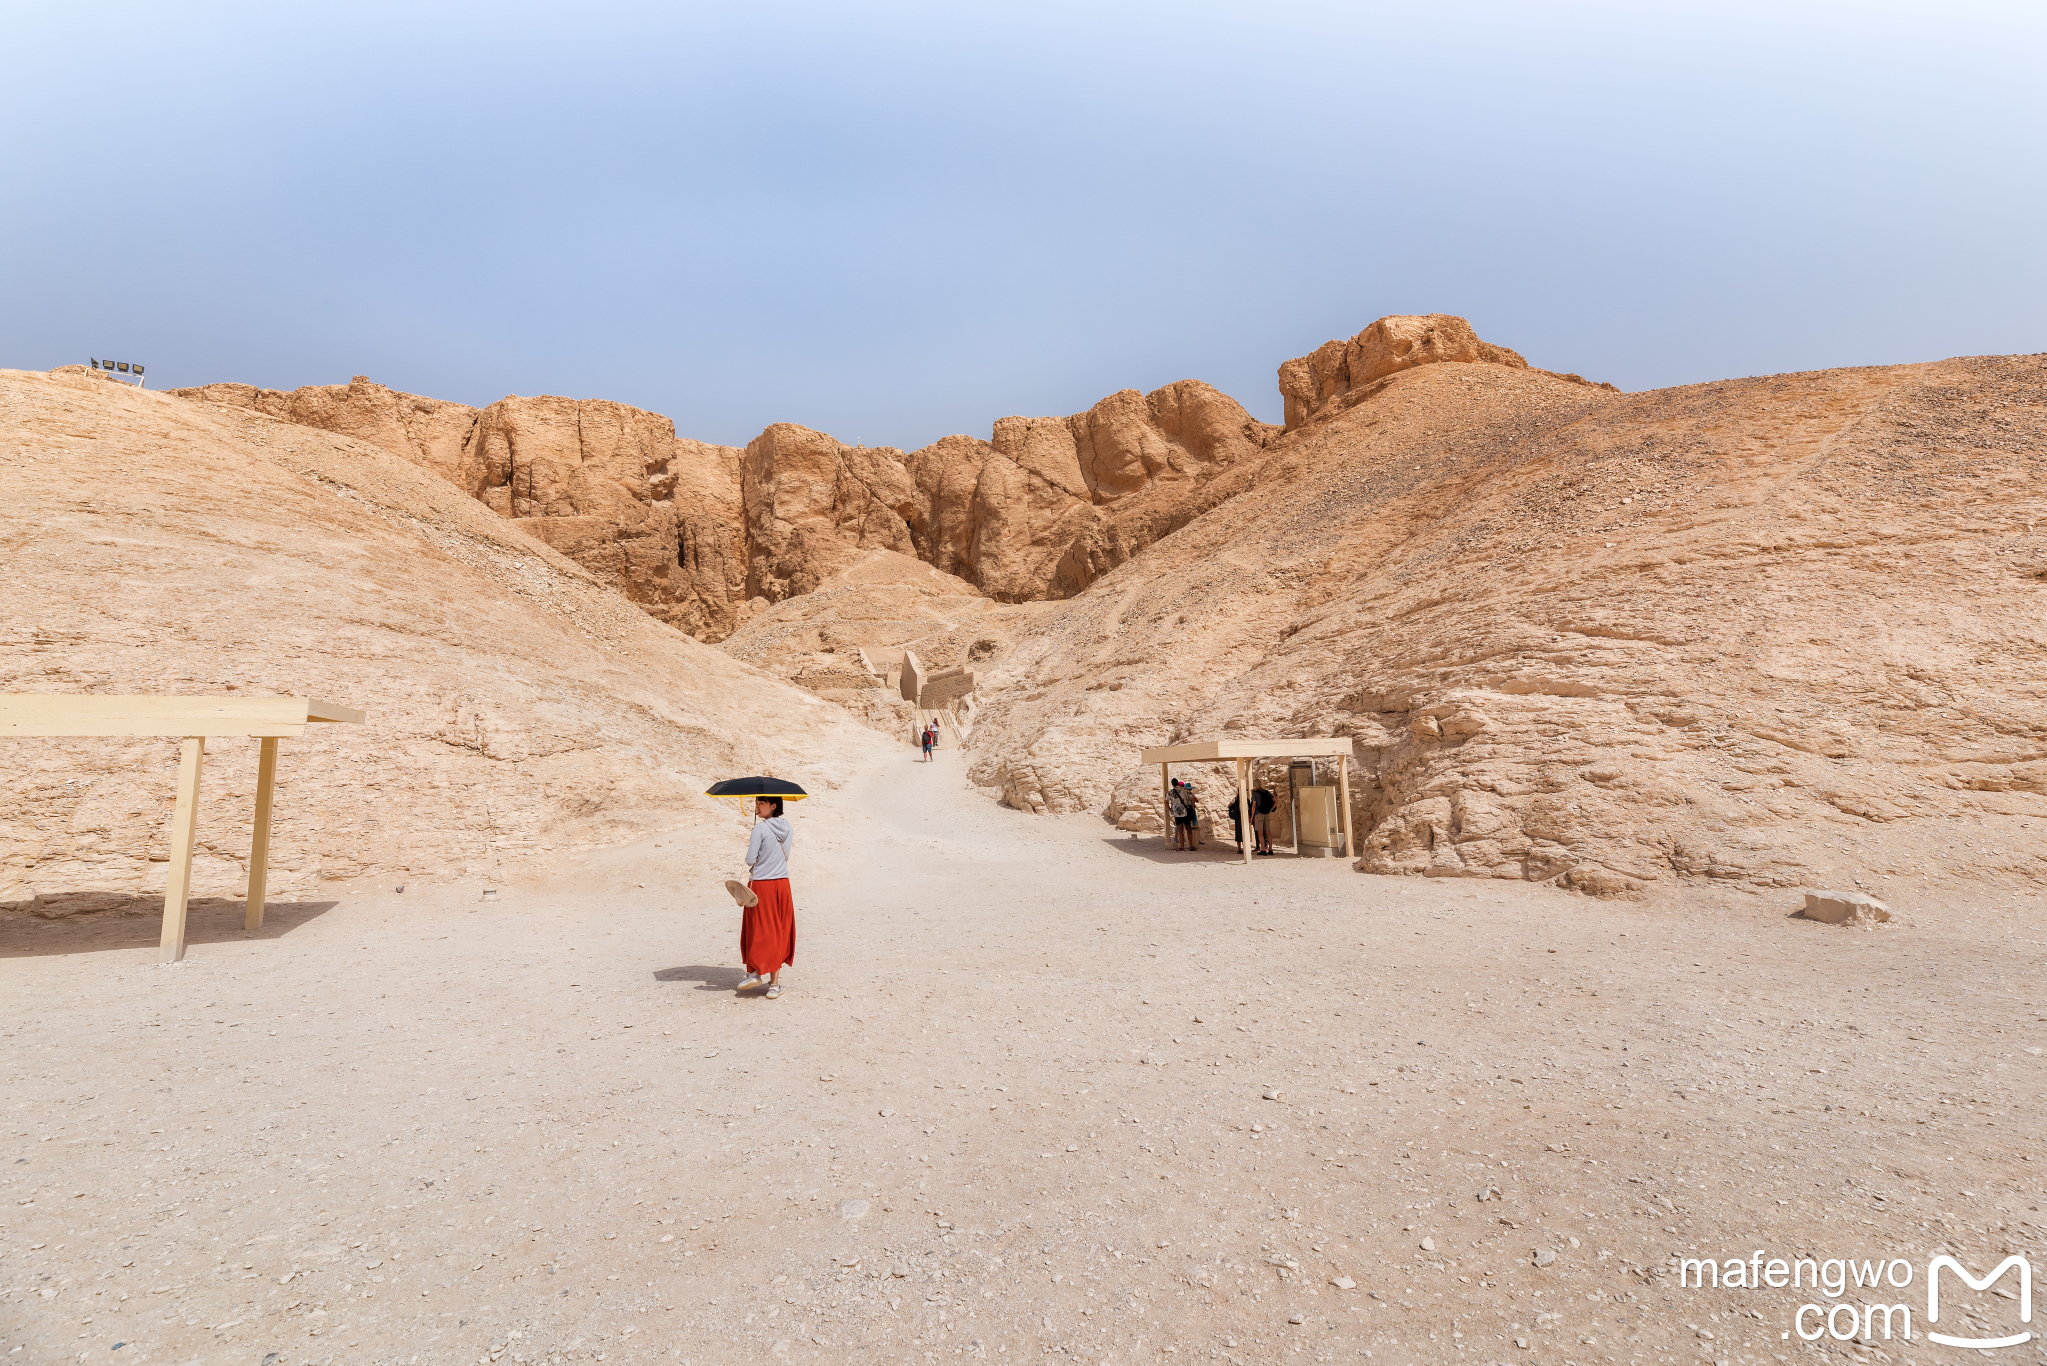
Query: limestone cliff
{"x": 1720, "y": 633}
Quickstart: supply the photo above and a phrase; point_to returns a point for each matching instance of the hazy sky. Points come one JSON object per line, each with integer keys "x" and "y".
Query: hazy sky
{"x": 892, "y": 222}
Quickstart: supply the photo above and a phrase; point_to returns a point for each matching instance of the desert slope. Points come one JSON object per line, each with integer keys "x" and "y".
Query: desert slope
{"x": 1774, "y": 631}
{"x": 517, "y": 706}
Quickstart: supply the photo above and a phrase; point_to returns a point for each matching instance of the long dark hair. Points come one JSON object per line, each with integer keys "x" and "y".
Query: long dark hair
{"x": 778, "y": 805}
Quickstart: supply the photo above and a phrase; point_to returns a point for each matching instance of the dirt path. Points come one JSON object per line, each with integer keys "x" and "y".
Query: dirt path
{"x": 1014, "y": 1101}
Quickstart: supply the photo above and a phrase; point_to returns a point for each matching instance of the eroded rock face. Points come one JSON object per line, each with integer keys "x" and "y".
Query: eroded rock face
{"x": 1335, "y": 375}
{"x": 1604, "y": 641}
{"x": 813, "y": 505}
{"x": 1038, "y": 511}
{"x": 518, "y": 709}
{"x": 429, "y": 432}
{"x": 608, "y": 486}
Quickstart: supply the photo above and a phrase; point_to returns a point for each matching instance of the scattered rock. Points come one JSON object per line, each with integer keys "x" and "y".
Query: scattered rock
{"x": 852, "y": 1209}
{"x": 1845, "y": 908}
{"x": 1343, "y": 1282}
{"x": 1544, "y": 1256}
{"x": 1428, "y": 1244}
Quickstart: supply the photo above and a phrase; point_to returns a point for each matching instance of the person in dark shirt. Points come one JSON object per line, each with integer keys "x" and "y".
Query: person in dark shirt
{"x": 1262, "y": 804}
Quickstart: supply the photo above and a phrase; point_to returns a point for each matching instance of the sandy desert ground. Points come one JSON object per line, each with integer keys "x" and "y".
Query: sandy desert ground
{"x": 1040, "y": 1090}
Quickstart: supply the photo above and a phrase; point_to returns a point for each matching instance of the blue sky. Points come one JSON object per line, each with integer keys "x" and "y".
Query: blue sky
{"x": 892, "y": 222}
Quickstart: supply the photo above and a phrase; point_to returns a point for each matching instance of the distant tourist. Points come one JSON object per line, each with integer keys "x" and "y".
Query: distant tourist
{"x": 1193, "y": 816}
{"x": 930, "y": 740}
{"x": 767, "y": 929}
{"x": 1262, "y": 804}
{"x": 1176, "y": 812}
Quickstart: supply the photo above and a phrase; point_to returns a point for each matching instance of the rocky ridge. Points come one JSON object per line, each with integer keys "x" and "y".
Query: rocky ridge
{"x": 520, "y": 710}
{"x": 1720, "y": 632}
{"x": 705, "y": 536}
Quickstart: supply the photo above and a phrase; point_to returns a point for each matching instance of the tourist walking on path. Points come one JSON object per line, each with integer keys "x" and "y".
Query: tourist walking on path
{"x": 930, "y": 740}
{"x": 767, "y": 929}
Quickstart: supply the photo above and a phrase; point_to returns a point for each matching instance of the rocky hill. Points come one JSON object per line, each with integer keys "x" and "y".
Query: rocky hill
{"x": 519, "y": 708}
{"x": 705, "y": 536}
{"x": 1771, "y": 631}
{"x": 1719, "y": 632}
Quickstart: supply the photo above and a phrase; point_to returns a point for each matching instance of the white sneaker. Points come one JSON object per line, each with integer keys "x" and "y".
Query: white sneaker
{"x": 748, "y": 982}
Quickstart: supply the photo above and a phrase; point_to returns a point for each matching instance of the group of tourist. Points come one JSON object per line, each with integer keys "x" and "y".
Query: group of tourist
{"x": 1186, "y": 817}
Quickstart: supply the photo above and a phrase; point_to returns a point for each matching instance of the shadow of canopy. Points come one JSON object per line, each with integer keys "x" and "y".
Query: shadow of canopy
{"x": 121, "y": 921}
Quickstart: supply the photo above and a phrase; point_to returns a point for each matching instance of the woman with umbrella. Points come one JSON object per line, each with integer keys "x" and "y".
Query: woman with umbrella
{"x": 767, "y": 925}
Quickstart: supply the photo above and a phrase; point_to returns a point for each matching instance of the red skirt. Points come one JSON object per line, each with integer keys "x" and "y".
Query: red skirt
{"x": 767, "y": 932}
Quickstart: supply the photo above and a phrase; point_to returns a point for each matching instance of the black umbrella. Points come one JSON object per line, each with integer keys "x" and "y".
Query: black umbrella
{"x": 757, "y": 787}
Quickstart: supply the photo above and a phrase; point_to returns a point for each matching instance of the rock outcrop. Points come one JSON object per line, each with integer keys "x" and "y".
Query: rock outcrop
{"x": 1769, "y": 632}
{"x": 430, "y": 432}
{"x": 1046, "y": 505}
{"x": 612, "y": 487}
{"x": 1338, "y": 374}
{"x": 518, "y": 708}
{"x": 813, "y": 505}
{"x": 704, "y": 536}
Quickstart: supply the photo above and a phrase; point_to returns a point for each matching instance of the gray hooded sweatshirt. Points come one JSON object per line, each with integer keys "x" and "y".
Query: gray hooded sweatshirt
{"x": 767, "y": 849}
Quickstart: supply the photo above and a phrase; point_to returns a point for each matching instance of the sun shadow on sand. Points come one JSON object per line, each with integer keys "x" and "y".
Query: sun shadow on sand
{"x": 708, "y": 978}
{"x": 1154, "y": 849}
{"x": 134, "y": 922}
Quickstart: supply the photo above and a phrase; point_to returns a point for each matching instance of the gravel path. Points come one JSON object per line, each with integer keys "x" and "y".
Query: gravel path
{"x": 1035, "y": 1087}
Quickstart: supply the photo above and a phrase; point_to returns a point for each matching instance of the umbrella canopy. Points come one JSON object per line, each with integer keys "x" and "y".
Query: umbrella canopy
{"x": 757, "y": 787}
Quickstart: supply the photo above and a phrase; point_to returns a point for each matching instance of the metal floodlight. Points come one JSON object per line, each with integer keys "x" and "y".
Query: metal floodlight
{"x": 95, "y": 362}
{"x": 138, "y": 369}
{"x": 122, "y": 366}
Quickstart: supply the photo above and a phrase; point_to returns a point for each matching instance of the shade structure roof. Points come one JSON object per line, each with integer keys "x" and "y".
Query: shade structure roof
{"x": 193, "y": 721}
{"x": 1309, "y": 748}
{"x": 212, "y": 717}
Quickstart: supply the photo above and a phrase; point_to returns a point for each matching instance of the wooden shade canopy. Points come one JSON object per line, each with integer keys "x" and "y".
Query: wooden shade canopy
{"x": 193, "y": 720}
{"x": 1244, "y": 752}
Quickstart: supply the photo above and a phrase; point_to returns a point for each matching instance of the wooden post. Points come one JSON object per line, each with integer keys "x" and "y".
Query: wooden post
{"x": 1244, "y": 807}
{"x": 177, "y": 891}
{"x": 259, "y": 850}
{"x": 1343, "y": 799}
{"x": 1166, "y": 799}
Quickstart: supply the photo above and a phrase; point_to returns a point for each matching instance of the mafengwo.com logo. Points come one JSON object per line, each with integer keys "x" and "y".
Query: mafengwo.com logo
{"x": 1855, "y": 1289}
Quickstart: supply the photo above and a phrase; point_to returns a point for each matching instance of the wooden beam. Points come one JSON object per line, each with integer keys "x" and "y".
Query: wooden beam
{"x": 1212, "y": 750}
{"x": 1343, "y": 800}
{"x": 1244, "y": 808}
{"x": 184, "y": 835}
{"x": 259, "y": 850}
{"x": 316, "y": 710}
{"x": 102, "y": 714}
